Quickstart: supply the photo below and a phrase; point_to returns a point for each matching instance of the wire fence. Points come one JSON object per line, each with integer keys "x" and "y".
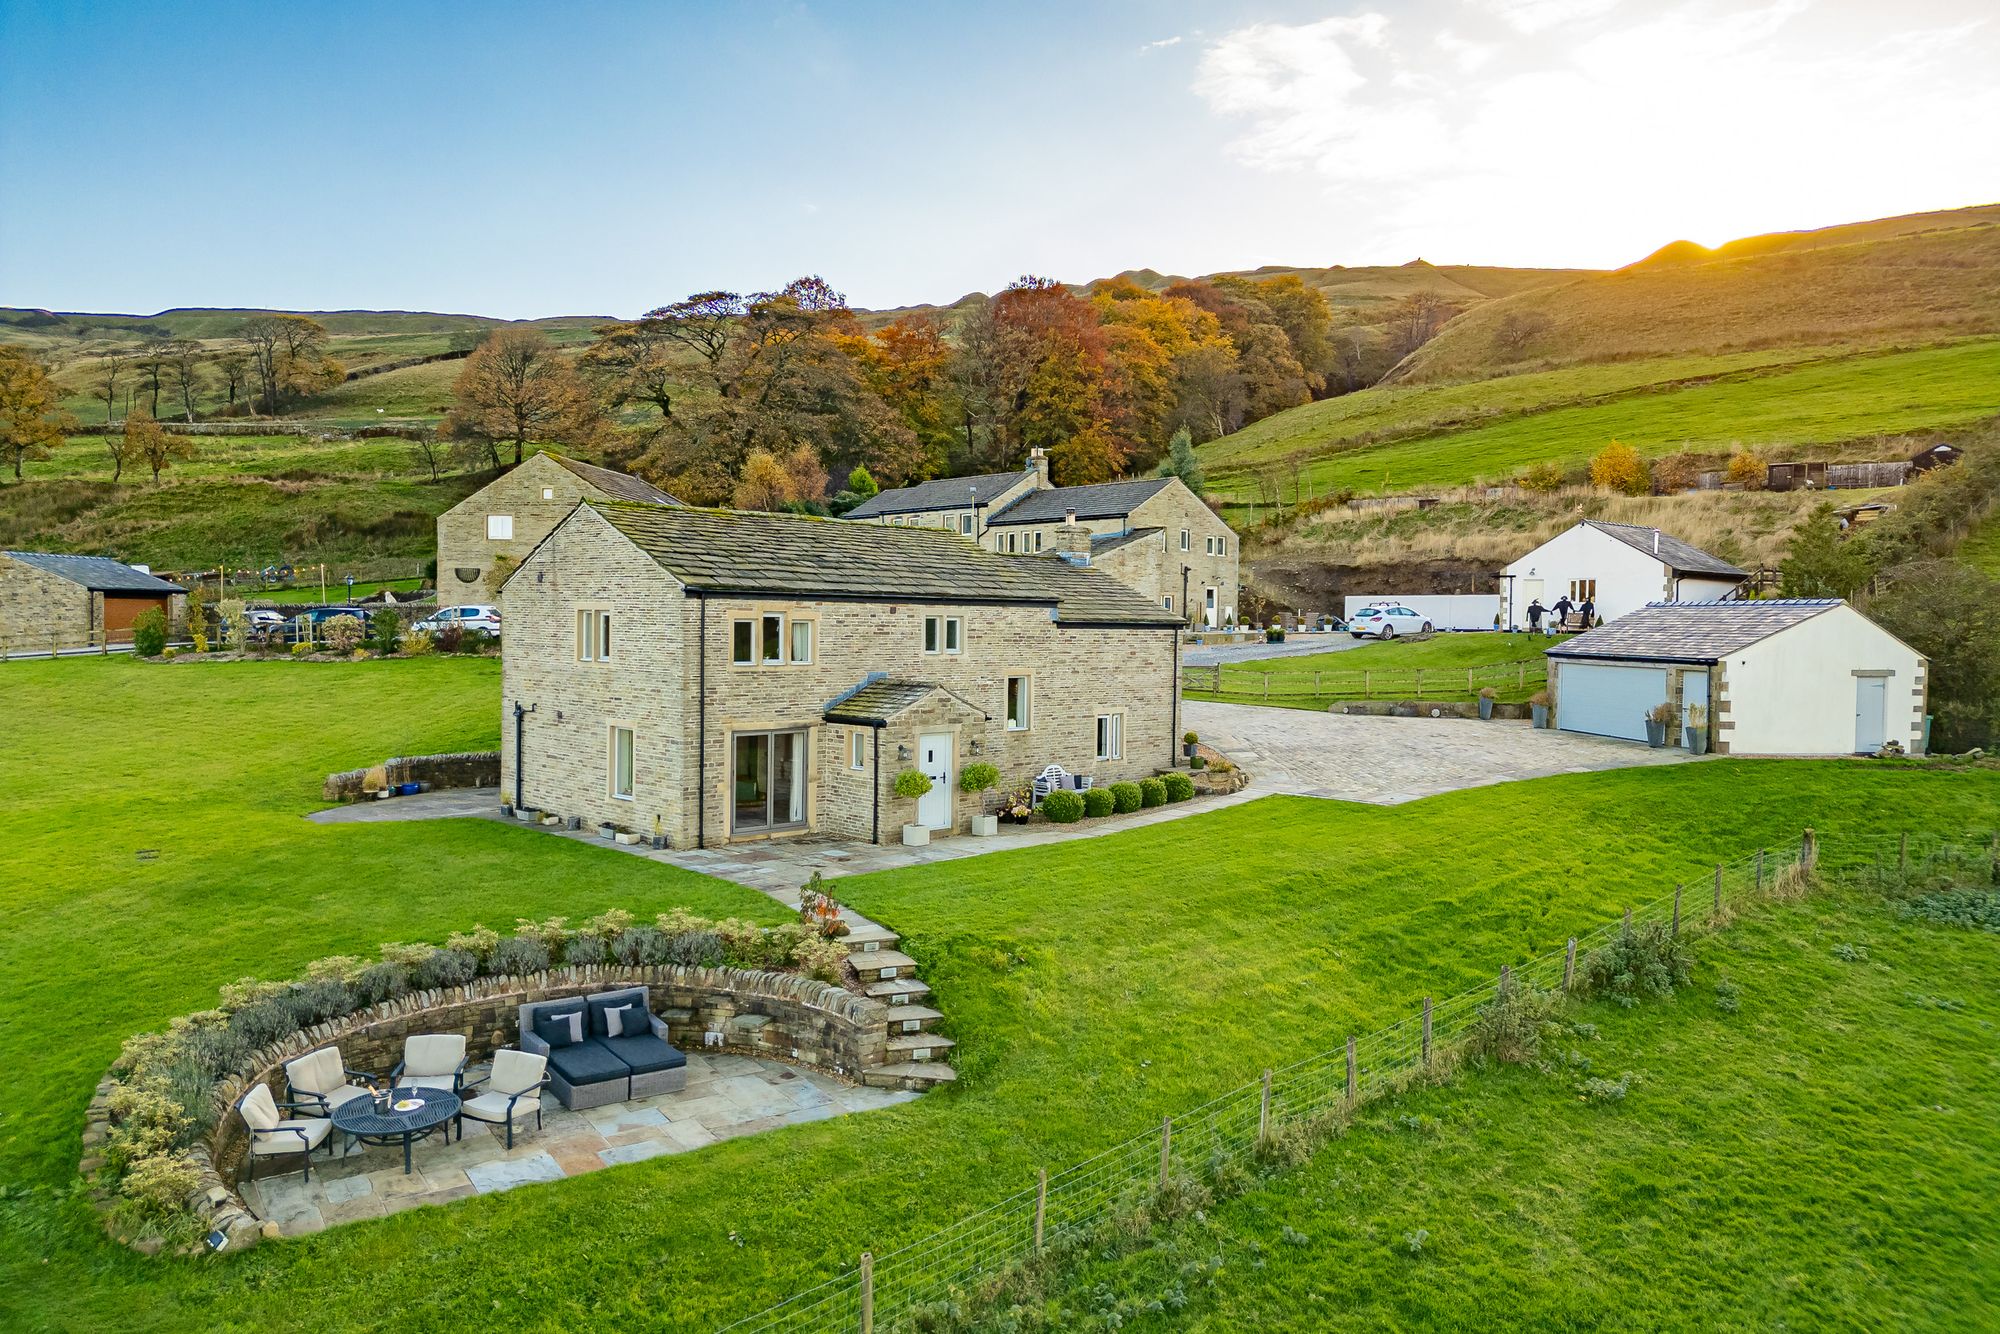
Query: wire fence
{"x": 890, "y": 1292}
{"x": 1507, "y": 678}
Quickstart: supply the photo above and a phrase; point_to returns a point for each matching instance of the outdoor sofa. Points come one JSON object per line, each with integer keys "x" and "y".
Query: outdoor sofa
{"x": 604, "y": 1048}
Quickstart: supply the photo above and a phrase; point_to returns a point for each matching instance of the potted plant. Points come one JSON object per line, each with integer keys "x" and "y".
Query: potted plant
{"x": 1658, "y": 719}
{"x": 1190, "y": 744}
{"x": 1274, "y": 634}
{"x": 1696, "y": 729}
{"x": 1538, "y": 703}
{"x": 1487, "y": 694}
{"x": 974, "y": 779}
{"x": 1018, "y": 806}
{"x": 912, "y": 785}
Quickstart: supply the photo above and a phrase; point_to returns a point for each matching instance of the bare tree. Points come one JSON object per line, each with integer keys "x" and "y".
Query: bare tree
{"x": 184, "y": 371}
{"x": 152, "y": 363}
{"x": 235, "y": 368}
{"x": 110, "y": 369}
{"x": 429, "y": 452}
{"x": 1416, "y": 320}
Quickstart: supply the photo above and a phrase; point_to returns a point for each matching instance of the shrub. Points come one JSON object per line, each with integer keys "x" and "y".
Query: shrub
{"x": 1152, "y": 792}
{"x": 474, "y": 641}
{"x": 158, "y": 1186}
{"x": 518, "y": 955}
{"x": 148, "y": 1121}
{"x": 1126, "y": 797}
{"x": 1606, "y": 1091}
{"x": 149, "y": 632}
{"x": 1640, "y": 961}
{"x": 1274, "y": 634}
{"x": 263, "y": 1022}
{"x": 1190, "y": 738}
{"x": 197, "y": 616}
{"x": 552, "y": 933}
{"x": 235, "y": 622}
{"x": 446, "y": 968}
{"x": 419, "y": 644}
{"x": 641, "y": 945}
{"x": 819, "y": 910}
{"x": 912, "y": 784}
{"x": 1677, "y": 472}
{"x": 1179, "y": 787}
{"x": 1618, "y": 467}
{"x": 1098, "y": 802}
{"x": 450, "y": 638}
{"x": 742, "y": 942}
{"x": 692, "y": 949}
{"x": 1977, "y": 909}
{"x": 343, "y": 633}
{"x": 300, "y": 649}
{"x": 385, "y": 630}
{"x": 1063, "y": 806}
{"x": 584, "y": 950}
{"x": 479, "y": 941}
{"x": 382, "y": 981}
{"x": 1510, "y": 1026}
{"x": 820, "y": 958}
{"x": 978, "y": 777}
{"x": 1543, "y": 478}
{"x": 1746, "y": 469}
{"x": 609, "y": 924}
{"x": 322, "y": 998}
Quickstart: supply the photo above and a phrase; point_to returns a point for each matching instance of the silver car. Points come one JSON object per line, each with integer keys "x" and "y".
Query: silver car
{"x": 472, "y": 616}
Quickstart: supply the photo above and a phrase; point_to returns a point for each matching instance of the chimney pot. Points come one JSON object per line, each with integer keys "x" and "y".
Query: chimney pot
{"x": 1069, "y": 518}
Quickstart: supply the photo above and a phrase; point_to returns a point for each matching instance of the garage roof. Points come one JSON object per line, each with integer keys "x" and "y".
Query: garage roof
{"x": 99, "y": 574}
{"x": 1681, "y": 557}
{"x": 1691, "y": 631}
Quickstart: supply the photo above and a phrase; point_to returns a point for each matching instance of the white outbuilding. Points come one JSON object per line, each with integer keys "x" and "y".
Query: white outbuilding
{"x": 1801, "y": 676}
{"x": 1619, "y": 567}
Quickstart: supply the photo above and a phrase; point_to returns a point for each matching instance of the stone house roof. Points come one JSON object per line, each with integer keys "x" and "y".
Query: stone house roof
{"x": 788, "y": 555}
{"x": 1678, "y": 556}
{"x": 99, "y": 574}
{"x": 1692, "y": 631}
{"x": 877, "y": 702}
{"x": 1102, "y": 500}
{"x": 941, "y": 493}
{"x": 617, "y": 485}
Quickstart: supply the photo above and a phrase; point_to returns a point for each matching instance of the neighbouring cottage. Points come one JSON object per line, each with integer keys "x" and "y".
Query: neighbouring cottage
{"x": 1154, "y": 535}
{"x": 485, "y": 535}
{"x": 1620, "y": 567}
{"x": 1780, "y": 677}
{"x": 718, "y": 676}
{"x": 77, "y": 601}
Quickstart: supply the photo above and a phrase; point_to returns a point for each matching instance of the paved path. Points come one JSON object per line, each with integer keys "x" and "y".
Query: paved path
{"x": 1295, "y": 645}
{"x": 1387, "y": 761}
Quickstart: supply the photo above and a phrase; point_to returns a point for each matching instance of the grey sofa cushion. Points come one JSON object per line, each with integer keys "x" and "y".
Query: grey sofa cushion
{"x": 559, "y": 1030}
{"x": 645, "y": 1053}
{"x": 587, "y": 1062}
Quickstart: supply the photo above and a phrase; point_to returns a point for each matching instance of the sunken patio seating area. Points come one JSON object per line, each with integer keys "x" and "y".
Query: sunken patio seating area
{"x": 603, "y": 1048}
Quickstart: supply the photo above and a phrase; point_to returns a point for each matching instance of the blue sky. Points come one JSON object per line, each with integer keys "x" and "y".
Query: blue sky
{"x": 545, "y": 159}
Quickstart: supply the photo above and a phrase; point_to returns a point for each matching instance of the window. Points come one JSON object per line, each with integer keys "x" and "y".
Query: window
{"x": 499, "y": 528}
{"x": 593, "y": 635}
{"x": 857, "y": 749}
{"x": 621, "y": 763}
{"x": 745, "y": 635}
{"x": 771, "y": 640}
{"x": 1187, "y": 540}
{"x": 943, "y": 634}
{"x": 548, "y": 493}
{"x": 1110, "y": 736}
{"x": 1018, "y": 716}
{"x": 802, "y": 641}
{"x": 767, "y": 781}
{"x": 965, "y": 524}
{"x": 1582, "y": 590}
{"x": 1038, "y": 541}
{"x": 1168, "y": 602}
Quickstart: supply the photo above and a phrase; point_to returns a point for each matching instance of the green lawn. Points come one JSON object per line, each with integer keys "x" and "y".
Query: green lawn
{"x": 336, "y": 591}
{"x": 1444, "y": 667}
{"x": 1981, "y": 547}
{"x": 1093, "y": 986}
{"x": 1822, "y": 402}
{"x": 1820, "y": 1158}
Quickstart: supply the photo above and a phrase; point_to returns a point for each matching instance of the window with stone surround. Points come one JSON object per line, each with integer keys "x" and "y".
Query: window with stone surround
{"x": 593, "y": 634}
{"x": 621, "y": 763}
{"x": 857, "y": 749}
{"x": 944, "y": 634}
{"x": 499, "y": 528}
{"x": 1020, "y": 703}
{"x": 772, "y": 639}
{"x": 1110, "y": 736}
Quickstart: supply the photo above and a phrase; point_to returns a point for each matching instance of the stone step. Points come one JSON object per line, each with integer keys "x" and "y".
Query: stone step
{"x": 898, "y": 991}
{"x": 917, "y": 1075}
{"x": 907, "y": 1018}
{"x": 881, "y": 965}
{"x": 918, "y": 1046}
{"x": 869, "y": 939}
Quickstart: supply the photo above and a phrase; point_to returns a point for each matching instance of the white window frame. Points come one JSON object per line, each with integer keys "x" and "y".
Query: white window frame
{"x": 1187, "y": 540}
{"x": 1038, "y": 540}
{"x": 792, "y": 628}
{"x": 1110, "y": 736}
{"x": 630, "y": 738}
{"x": 857, "y": 750}
{"x": 965, "y": 525}
{"x": 548, "y": 493}
{"x": 499, "y": 528}
{"x": 743, "y": 650}
{"x": 1167, "y": 601}
{"x": 944, "y": 635}
{"x": 1027, "y": 722}
{"x": 593, "y": 634}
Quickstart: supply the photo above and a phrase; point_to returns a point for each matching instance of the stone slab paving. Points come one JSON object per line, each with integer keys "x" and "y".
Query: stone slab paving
{"x": 727, "y": 1096}
{"x": 1386, "y": 761}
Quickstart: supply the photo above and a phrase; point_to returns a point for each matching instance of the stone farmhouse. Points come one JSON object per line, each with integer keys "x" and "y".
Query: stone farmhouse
{"x": 77, "y": 601}
{"x": 1153, "y": 535}
{"x": 485, "y": 535}
{"x": 721, "y": 677}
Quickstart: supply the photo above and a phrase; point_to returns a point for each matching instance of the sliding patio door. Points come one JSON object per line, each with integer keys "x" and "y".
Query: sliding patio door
{"x": 767, "y": 781}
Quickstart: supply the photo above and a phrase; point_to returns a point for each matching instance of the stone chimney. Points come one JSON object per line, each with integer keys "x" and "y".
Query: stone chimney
{"x": 1038, "y": 464}
{"x": 1073, "y": 540}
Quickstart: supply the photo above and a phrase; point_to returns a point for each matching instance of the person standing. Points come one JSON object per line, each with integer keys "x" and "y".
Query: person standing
{"x": 1562, "y": 609}
{"x": 1535, "y": 613}
{"x": 1589, "y": 610}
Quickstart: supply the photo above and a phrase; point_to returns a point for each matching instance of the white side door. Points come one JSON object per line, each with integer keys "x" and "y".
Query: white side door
{"x": 934, "y": 758}
{"x": 1871, "y": 704}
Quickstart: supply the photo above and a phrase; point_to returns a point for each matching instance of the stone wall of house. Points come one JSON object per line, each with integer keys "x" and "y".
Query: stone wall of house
{"x": 36, "y": 606}
{"x": 536, "y": 495}
{"x": 471, "y": 768}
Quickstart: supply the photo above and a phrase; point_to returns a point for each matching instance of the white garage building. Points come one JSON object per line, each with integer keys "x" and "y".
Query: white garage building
{"x": 1619, "y": 566}
{"x": 1794, "y": 677}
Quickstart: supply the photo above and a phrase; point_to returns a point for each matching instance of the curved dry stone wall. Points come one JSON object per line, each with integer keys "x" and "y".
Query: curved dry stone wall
{"x": 774, "y": 1015}
{"x": 472, "y": 768}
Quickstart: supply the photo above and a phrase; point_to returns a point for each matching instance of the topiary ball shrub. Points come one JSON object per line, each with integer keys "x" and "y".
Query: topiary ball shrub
{"x": 1179, "y": 787}
{"x": 149, "y": 632}
{"x": 1098, "y": 802}
{"x": 1125, "y": 798}
{"x": 1063, "y": 807}
{"x": 1152, "y": 792}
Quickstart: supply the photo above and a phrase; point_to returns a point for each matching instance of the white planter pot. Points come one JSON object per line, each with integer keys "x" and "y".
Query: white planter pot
{"x": 629, "y": 840}
{"x": 985, "y": 826}
{"x": 916, "y": 835}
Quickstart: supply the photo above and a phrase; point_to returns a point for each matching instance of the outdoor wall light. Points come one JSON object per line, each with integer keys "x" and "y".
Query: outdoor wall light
{"x": 978, "y": 746}
{"x": 902, "y": 752}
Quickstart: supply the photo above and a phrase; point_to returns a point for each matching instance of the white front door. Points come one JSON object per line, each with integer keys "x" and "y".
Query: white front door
{"x": 934, "y": 759}
{"x": 1208, "y": 609}
{"x": 1871, "y": 703}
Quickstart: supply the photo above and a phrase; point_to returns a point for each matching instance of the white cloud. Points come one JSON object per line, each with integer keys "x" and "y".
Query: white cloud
{"x": 1593, "y": 143}
{"x": 1533, "y": 16}
{"x": 1175, "y": 40}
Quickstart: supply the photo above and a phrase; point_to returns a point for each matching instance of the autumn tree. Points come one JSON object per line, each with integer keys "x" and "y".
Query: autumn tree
{"x": 1746, "y": 469}
{"x": 639, "y": 362}
{"x": 515, "y": 389}
{"x": 145, "y": 442}
{"x": 776, "y": 482}
{"x": 121, "y": 447}
{"x": 32, "y": 422}
{"x": 289, "y": 356}
{"x": 1416, "y": 320}
{"x": 1618, "y": 467}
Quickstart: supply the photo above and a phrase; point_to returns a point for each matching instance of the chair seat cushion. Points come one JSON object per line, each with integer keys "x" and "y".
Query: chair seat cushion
{"x": 645, "y": 1053}
{"x": 493, "y": 1107}
{"x": 446, "y": 1082}
{"x": 282, "y": 1140}
{"x": 337, "y": 1097}
{"x": 587, "y": 1062}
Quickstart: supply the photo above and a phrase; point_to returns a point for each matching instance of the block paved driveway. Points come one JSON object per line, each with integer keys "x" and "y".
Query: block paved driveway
{"x": 1390, "y": 760}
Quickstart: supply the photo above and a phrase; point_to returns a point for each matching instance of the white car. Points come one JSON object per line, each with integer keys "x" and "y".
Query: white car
{"x": 1386, "y": 623}
{"x": 474, "y": 616}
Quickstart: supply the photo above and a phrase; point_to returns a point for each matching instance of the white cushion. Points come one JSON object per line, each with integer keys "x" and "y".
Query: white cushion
{"x": 282, "y": 1140}
{"x": 515, "y": 1071}
{"x": 259, "y": 1108}
{"x": 408, "y": 1080}
{"x": 319, "y": 1071}
{"x": 345, "y": 1093}
{"x": 493, "y": 1107}
{"x": 432, "y": 1054}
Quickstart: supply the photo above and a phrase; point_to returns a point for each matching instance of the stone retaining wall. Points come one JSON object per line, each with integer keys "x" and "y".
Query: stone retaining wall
{"x": 475, "y": 768}
{"x": 1423, "y": 708}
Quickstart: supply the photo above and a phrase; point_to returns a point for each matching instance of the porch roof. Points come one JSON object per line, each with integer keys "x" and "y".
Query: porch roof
{"x": 877, "y": 702}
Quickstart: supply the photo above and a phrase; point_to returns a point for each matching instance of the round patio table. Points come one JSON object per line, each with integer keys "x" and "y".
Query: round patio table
{"x": 435, "y": 1108}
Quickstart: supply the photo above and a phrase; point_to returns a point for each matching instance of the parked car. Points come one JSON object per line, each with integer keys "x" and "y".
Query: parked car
{"x": 310, "y": 624}
{"x": 1386, "y": 622}
{"x": 473, "y": 616}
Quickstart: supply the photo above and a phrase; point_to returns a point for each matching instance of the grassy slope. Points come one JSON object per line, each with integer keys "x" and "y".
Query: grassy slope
{"x": 1849, "y": 399}
{"x": 1822, "y": 1158}
{"x": 1383, "y": 671}
{"x": 1093, "y": 985}
{"x": 1981, "y": 547}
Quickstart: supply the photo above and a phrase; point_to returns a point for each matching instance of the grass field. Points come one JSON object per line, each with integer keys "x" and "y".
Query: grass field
{"x": 1817, "y": 1158}
{"x": 1981, "y": 547}
{"x": 1092, "y": 986}
{"x": 1445, "y": 667}
{"x": 1823, "y": 402}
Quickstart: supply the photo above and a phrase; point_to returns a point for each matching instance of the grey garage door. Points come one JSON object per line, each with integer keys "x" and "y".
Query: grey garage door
{"x": 1607, "y": 700}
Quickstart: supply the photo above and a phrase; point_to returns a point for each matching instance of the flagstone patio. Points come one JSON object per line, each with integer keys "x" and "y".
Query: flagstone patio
{"x": 727, "y": 1096}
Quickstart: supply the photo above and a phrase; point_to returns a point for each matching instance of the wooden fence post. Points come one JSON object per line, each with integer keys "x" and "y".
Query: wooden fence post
{"x": 1808, "y": 850}
{"x": 1470, "y": 689}
{"x": 1420, "y": 683}
{"x": 1677, "y": 903}
{"x": 1041, "y": 1205}
{"x": 1166, "y": 1148}
{"x": 1569, "y": 964}
{"x": 1427, "y": 1030}
{"x": 1264, "y": 1111}
{"x": 867, "y": 1293}
{"x": 1351, "y": 1082}
{"x": 1316, "y": 687}
{"x": 1367, "y": 684}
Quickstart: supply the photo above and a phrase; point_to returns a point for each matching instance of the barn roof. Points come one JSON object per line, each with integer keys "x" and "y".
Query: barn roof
{"x": 940, "y": 493}
{"x": 99, "y": 574}
{"x": 1692, "y": 631}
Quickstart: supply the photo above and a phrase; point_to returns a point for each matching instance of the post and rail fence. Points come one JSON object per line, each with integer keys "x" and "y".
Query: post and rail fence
{"x": 888, "y": 1291}
{"x": 1396, "y": 683}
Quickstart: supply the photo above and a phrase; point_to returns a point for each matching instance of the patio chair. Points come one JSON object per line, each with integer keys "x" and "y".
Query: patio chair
{"x": 513, "y": 1091}
{"x": 1052, "y": 779}
{"x": 431, "y": 1060}
{"x": 319, "y": 1080}
{"x": 272, "y": 1134}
